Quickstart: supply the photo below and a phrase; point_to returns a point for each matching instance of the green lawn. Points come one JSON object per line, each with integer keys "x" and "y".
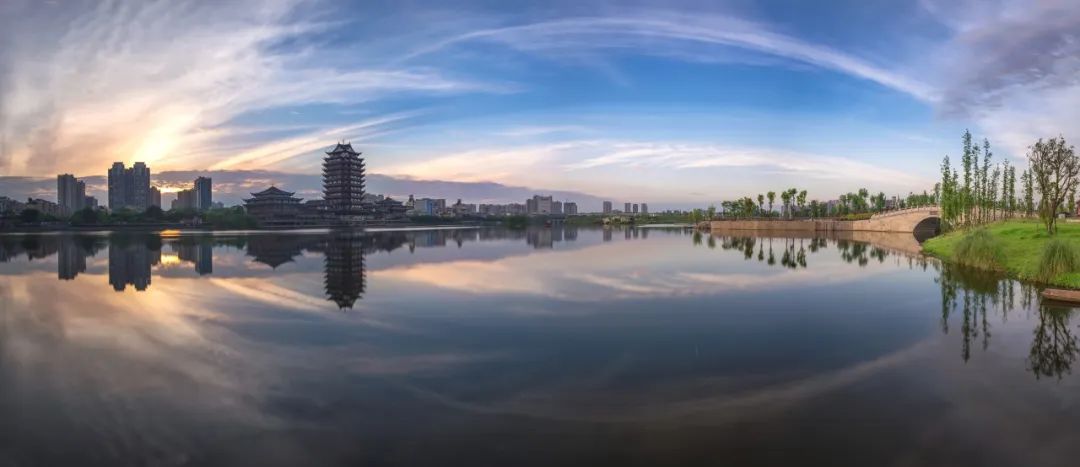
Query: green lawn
{"x": 1021, "y": 242}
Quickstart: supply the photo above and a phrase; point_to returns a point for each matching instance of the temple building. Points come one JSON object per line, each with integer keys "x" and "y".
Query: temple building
{"x": 273, "y": 207}
{"x": 343, "y": 182}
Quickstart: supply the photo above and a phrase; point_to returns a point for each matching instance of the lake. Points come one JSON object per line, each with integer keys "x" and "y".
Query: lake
{"x": 554, "y": 346}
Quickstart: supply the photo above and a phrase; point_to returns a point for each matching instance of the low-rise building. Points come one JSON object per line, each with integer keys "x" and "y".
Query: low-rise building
{"x": 274, "y": 206}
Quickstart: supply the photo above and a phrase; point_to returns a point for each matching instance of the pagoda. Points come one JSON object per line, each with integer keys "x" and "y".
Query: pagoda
{"x": 343, "y": 181}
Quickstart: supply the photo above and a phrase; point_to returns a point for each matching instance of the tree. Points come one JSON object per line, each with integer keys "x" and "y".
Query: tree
{"x": 761, "y": 202}
{"x": 30, "y": 216}
{"x": 153, "y": 213}
{"x": 772, "y": 197}
{"x": 1029, "y": 192}
{"x": 801, "y": 199}
{"x": 85, "y": 216}
{"x": 1054, "y": 170}
{"x": 711, "y": 212}
{"x": 785, "y": 196}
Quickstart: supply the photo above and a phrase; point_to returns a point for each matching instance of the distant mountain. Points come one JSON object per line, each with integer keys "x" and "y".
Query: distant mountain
{"x": 231, "y": 186}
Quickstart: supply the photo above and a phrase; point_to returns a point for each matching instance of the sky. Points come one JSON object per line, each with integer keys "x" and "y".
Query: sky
{"x": 675, "y": 104}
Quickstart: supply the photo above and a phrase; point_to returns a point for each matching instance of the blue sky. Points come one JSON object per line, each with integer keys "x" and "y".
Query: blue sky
{"x": 676, "y": 104}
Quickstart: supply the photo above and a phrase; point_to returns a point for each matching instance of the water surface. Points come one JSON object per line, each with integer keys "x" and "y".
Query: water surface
{"x": 539, "y": 347}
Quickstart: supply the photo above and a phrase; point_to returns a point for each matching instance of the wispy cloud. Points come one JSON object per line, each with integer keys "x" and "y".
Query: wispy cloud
{"x": 143, "y": 80}
{"x": 667, "y": 33}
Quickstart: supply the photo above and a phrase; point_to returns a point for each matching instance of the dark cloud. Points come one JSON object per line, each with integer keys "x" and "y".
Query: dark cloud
{"x": 1040, "y": 50}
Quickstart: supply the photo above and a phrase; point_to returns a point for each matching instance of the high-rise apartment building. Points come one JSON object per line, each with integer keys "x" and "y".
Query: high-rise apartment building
{"x": 644, "y": 208}
{"x": 570, "y": 208}
{"x": 635, "y": 208}
{"x": 70, "y": 194}
{"x": 155, "y": 196}
{"x": 607, "y": 207}
{"x": 626, "y": 208}
{"x": 203, "y": 194}
{"x": 129, "y": 188}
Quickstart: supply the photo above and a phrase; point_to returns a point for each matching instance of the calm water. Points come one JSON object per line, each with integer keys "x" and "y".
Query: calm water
{"x": 546, "y": 347}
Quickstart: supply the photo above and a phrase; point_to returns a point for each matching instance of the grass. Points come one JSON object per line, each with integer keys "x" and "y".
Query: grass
{"x": 1021, "y": 248}
{"x": 979, "y": 249}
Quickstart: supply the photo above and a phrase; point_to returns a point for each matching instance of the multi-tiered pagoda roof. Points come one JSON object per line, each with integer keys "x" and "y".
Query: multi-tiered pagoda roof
{"x": 343, "y": 180}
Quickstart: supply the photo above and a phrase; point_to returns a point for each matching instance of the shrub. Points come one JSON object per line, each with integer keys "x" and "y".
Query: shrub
{"x": 1058, "y": 257}
{"x": 979, "y": 249}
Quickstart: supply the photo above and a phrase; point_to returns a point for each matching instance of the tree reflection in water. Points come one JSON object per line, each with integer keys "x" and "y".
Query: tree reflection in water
{"x": 1053, "y": 347}
{"x": 975, "y": 293}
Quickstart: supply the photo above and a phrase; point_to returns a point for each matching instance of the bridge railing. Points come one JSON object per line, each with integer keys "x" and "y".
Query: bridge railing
{"x": 933, "y": 210}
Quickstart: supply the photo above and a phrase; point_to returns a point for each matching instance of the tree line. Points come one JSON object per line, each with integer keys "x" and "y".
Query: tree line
{"x": 982, "y": 190}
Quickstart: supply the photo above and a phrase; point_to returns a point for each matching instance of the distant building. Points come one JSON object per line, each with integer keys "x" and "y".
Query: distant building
{"x": 129, "y": 188}
{"x": 70, "y": 193}
{"x": 203, "y": 194}
{"x": 626, "y": 208}
{"x": 556, "y": 207}
{"x": 516, "y": 209}
{"x": 343, "y": 181}
{"x": 273, "y": 207}
{"x": 635, "y": 208}
{"x": 541, "y": 205}
{"x": 570, "y": 208}
{"x": 644, "y": 208}
{"x": 426, "y": 207}
{"x": 44, "y": 206}
{"x": 155, "y": 196}
{"x": 10, "y": 205}
{"x": 607, "y": 207}
{"x": 90, "y": 202}
{"x": 461, "y": 209}
{"x": 185, "y": 200}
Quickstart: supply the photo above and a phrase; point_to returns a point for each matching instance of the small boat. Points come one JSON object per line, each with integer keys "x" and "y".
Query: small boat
{"x": 1062, "y": 295}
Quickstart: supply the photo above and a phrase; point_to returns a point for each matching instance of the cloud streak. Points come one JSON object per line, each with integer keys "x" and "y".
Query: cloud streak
{"x": 670, "y": 34}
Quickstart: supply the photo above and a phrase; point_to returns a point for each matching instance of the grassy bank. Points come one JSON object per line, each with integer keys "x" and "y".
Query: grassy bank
{"x": 1020, "y": 248}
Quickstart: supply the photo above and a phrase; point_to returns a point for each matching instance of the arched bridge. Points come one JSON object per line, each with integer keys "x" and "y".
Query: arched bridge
{"x": 926, "y": 218}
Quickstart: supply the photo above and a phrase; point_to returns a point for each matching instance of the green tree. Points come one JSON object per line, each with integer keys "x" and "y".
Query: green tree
{"x": 785, "y": 196}
{"x": 30, "y": 216}
{"x": 772, "y": 198}
{"x": 801, "y": 200}
{"x": 761, "y": 202}
{"x": 1054, "y": 169}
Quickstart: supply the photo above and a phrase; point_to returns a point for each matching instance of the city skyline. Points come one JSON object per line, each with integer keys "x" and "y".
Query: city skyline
{"x": 685, "y": 105}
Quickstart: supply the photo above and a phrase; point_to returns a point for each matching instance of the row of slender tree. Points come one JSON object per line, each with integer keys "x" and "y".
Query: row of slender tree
{"x": 982, "y": 190}
{"x": 795, "y": 204}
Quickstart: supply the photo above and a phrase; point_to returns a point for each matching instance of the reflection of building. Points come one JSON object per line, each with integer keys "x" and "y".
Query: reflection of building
{"x": 71, "y": 260}
{"x": 202, "y": 254}
{"x": 344, "y": 263}
{"x": 129, "y": 263}
{"x": 273, "y": 207}
{"x": 343, "y": 181}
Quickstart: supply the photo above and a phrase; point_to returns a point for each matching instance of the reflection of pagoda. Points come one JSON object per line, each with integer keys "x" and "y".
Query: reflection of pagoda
{"x": 129, "y": 263}
{"x": 344, "y": 270}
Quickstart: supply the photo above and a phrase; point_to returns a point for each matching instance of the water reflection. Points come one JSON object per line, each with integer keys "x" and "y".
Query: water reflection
{"x": 133, "y": 257}
{"x": 674, "y": 337}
